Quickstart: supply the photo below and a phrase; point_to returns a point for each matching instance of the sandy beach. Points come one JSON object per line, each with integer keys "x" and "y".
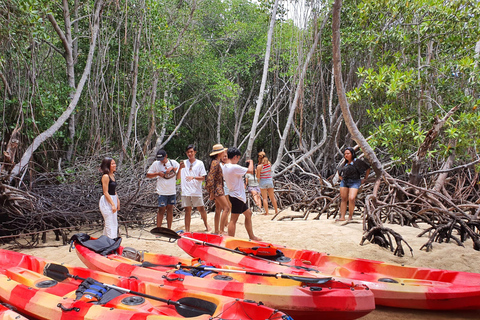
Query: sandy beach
{"x": 321, "y": 235}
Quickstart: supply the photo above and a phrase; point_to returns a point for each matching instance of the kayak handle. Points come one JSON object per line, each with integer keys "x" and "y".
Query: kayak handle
{"x": 68, "y": 309}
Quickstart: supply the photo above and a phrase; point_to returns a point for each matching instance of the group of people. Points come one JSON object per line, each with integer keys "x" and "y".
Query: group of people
{"x": 225, "y": 183}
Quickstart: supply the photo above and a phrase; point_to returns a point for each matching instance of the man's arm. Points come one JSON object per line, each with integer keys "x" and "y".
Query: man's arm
{"x": 152, "y": 173}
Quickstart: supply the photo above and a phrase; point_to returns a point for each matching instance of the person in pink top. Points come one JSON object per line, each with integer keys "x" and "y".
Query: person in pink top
{"x": 264, "y": 175}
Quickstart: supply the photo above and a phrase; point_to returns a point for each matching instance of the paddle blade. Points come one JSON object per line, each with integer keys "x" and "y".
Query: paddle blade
{"x": 56, "y": 272}
{"x": 165, "y": 232}
{"x": 193, "y": 307}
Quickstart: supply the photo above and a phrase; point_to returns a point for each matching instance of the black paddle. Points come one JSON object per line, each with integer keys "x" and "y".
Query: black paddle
{"x": 165, "y": 232}
{"x": 147, "y": 264}
{"x": 186, "y": 307}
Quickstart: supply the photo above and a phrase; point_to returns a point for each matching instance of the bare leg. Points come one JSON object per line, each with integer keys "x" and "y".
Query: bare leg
{"x": 169, "y": 216}
{"x": 203, "y": 214}
{"x": 271, "y": 195}
{"x": 218, "y": 212}
{"x": 343, "y": 204}
{"x": 227, "y": 207}
{"x": 249, "y": 225}
{"x": 160, "y": 214}
{"x": 232, "y": 225}
{"x": 352, "y": 195}
{"x": 265, "y": 200}
{"x": 256, "y": 198}
{"x": 188, "y": 218}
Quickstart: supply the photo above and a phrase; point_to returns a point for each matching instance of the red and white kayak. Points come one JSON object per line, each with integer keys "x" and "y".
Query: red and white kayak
{"x": 296, "y": 296}
{"x": 6, "y": 313}
{"x": 44, "y": 290}
{"x": 392, "y": 285}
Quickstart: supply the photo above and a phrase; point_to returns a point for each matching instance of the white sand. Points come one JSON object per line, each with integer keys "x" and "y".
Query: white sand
{"x": 320, "y": 235}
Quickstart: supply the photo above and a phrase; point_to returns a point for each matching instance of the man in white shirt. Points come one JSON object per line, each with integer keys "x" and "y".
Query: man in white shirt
{"x": 165, "y": 171}
{"x": 192, "y": 173}
{"x": 233, "y": 175}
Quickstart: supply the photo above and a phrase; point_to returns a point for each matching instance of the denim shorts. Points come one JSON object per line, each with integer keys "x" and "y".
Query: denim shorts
{"x": 350, "y": 183}
{"x": 266, "y": 183}
{"x": 164, "y": 201}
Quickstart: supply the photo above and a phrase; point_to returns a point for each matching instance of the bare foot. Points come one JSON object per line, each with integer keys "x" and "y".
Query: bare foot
{"x": 339, "y": 220}
{"x": 255, "y": 238}
{"x": 209, "y": 229}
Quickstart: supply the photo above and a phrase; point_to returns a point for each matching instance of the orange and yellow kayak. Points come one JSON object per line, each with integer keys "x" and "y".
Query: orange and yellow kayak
{"x": 44, "y": 290}
{"x": 6, "y": 313}
{"x": 298, "y": 297}
{"x": 392, "y": 285}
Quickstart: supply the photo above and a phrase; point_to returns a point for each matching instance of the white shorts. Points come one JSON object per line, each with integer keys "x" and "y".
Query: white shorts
{"x": 192, "y": 201}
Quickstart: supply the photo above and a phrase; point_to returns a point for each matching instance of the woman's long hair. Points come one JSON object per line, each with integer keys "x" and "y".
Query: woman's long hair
{"x": 105, "y": 166}
{"x": 262, "y": 158}
{"x": 351, "y": 151}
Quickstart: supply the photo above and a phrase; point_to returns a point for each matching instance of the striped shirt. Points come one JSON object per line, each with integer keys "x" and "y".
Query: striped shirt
{"x": 266, "y": 172}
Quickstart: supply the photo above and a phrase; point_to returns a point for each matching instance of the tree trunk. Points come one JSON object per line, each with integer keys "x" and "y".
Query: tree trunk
{"x": 67, "y": 43}
{"x": 342, "y": 98}
{"x": 73, "y": 103}
{"x": 133, "y": 105}
{"x": 442, "y": 177}
{"x": 153, "y": 100}
{"x": 294, "y": 103}
{"x": 432, "y": 134}
{"x": 251, "y": 140}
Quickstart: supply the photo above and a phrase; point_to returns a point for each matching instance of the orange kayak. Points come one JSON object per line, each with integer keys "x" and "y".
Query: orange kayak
{"x": 393, "y": 285}
{"x": 6, "y": 313}
{"x": 45, "y": 290}
{"x": 297, "y": 296}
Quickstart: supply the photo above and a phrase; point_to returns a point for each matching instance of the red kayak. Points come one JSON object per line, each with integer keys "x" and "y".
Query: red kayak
{"x": 7, "y": 313}
{"x": 303, "y": 298}
{"x": 46, "y": 290}
{"x": 392, "y": 285}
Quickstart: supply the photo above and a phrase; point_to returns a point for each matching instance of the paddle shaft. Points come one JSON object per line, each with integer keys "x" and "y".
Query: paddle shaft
{"x": 262, "y": 274}
{"x": 245, "y": 254}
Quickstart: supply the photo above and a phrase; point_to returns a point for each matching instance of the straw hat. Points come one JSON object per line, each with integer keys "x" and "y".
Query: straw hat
{"x": 218, "y": 148}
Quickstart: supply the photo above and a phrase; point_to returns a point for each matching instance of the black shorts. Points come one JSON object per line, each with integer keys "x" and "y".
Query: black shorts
{"x": 238, "y": 206}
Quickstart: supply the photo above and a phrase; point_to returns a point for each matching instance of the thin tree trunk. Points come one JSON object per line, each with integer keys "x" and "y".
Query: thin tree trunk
{"x": 294, "y": 103}
{"x": 133, "y": 105}
{"x": 73, "y": 103}
{"x": 251, "y": 140}
{"x": 153, "y": 100}
{"x": 67, "y": 42}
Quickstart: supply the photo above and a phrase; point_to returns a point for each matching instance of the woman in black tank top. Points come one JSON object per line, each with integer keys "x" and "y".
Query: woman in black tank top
{"x": 109, "y": 202}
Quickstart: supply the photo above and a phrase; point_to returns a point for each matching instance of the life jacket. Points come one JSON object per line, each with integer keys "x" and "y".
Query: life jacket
{"x": 194, "y": 272}
{"x": 269, "y": 252}
{"x": 92, "y": 291}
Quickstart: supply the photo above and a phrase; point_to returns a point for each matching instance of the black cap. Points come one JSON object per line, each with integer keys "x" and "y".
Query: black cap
{"x": 161, "y": 154}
